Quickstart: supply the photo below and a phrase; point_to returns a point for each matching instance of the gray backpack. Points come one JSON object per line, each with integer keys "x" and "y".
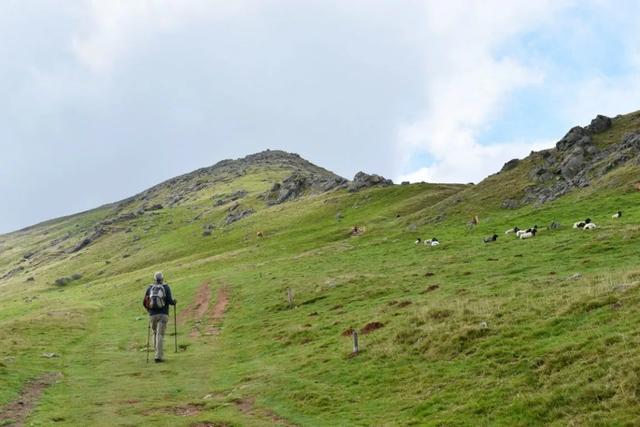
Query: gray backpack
{"x": 157, "y": 296}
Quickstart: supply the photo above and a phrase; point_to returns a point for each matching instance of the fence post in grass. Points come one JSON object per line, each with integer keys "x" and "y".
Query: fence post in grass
{"x": 290, "y": 297}
{"x": 355, "y": 341}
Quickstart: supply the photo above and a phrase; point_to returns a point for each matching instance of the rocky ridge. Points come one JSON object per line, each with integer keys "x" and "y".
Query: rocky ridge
{"x": 575, "y": 162}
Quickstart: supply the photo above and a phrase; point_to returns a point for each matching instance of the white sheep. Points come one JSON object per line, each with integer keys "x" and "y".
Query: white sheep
{"x": 519, "y": 233}
{"x": 432, "y": 242}
{"x": 512, "y": 230}
{"x": 581, "y": 224}
{"x": 418, "y": 241}
{"x": 617, "y": 215}
{"x": 529, "y": 233}
{"x": 589, "y": 226}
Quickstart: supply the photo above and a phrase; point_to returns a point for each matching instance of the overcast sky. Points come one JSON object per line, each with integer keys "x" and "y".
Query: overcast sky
{"x": 102, "y": 99}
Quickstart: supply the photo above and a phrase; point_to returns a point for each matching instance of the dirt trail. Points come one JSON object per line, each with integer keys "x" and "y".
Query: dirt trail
{"x": 198, "y": 308}
{"x": 222, "y": 300}
{"x": 17, "y": 411}
{"x": 206, "y": 319}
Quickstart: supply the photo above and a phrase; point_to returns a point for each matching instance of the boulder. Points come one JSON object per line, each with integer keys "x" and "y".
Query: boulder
{"x": 509, "y": 204}
{"x": 299, "y": 184}
{"x": 363, "y": 180}
{"x": 510, "y": 165}
{"x": 599, "y": 124}
{"x": 574, "y": 135}
{"x": 572, "y": 165}
{"x": 233, "y": 217}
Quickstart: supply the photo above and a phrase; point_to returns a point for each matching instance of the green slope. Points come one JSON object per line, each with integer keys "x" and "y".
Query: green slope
{"x": 519, "y": 332}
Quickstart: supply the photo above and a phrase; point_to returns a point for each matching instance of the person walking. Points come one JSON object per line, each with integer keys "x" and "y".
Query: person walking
{"x": 157, "y": 300}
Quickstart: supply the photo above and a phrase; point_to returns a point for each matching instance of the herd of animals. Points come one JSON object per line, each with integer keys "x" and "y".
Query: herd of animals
{"x": 528, "y": 233}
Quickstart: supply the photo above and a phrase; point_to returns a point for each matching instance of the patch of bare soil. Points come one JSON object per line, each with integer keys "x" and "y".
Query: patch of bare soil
{"x": 247, "y": 406}
{"x": 370, "y": 327}
{"x": 222, "y": 301}
{"x": 430, "y": 289}
{"x": 206, "y": 318}
{"x": 199, "y": 307}
{"x": 17, "y": 411}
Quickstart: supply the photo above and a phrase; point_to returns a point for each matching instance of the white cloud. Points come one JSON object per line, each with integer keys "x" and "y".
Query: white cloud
{"x": 468, "y": 85}
{"x": 111, "y": 28}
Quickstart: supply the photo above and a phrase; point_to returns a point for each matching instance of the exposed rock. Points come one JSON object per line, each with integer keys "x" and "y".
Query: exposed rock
{"x": 510, "y": 165}
{"x": 541, "y": 174}
{"x": 83, "y": 244}
{"x": 299, "y": 184}
{"x": 238, "y": 195}
{"x": 405, "y": 183}
{"x": 181, "y": 188}
{"x": 98, "y": 232}
{"x": 510, "y": 204}
{"x": 62, "y": 281}
{"x": 233, "y": 217}
{"x": 577, "y": 161}
{"x": 572, "y": 165}
{"x": 574, "y": 135}
{"x": 599, "y": 124}
{"x": 363, "y": 180}
{"x": 14, "y": 271}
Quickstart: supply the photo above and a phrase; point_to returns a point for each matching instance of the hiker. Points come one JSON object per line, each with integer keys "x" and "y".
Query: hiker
{"x": 157, "y": 300}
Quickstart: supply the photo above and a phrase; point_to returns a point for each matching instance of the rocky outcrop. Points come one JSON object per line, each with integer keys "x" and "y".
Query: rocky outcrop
{"x": 98, "y": 232}
{"x": 237, "y": 215}
{"x": 576, "y": 162}
{"x": 599, "y": 124}
{"x": 510, "y": 165}
{"x": 299, "y": 184}
{"x": 236, "y": 195}
{"x": 363, "y": 180}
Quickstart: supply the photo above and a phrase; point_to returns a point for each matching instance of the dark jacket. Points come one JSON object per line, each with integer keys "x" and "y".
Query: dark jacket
{"x": 168, "y": 300}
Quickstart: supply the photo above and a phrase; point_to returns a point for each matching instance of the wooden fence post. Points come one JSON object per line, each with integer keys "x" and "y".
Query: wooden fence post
{"x": 290, "y": 297}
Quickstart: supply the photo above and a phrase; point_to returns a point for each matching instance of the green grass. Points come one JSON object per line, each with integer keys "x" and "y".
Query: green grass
{"x": 500, "y": 334}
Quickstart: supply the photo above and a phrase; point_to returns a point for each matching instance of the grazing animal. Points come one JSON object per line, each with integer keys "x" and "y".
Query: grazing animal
{"x": 529, "y": 233}
{"x": 473, "y": 222}
{"x": 617, "y": 215}
{"x": 581, "y": 224}
{"x": 418, "y": 241}
{"x": 259, "y": 234}
{"x": 589, "y": 226}
{"x": 528, "y": 230}
{"x": 512, "y": 230}
{"x": 490, "y": 239}
{"x": 433, "y": 242}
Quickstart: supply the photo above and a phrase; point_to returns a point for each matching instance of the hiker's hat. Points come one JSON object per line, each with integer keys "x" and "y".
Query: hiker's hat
{"x": 158, "y": 276}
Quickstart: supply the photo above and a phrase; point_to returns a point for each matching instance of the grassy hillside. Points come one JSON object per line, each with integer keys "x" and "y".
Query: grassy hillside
{"x": 517, "y": 332}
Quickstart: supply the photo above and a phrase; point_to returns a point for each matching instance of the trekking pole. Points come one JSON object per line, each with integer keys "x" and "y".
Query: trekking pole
{"x": 148, "y": 339}
{"x": 175, "y": 325}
